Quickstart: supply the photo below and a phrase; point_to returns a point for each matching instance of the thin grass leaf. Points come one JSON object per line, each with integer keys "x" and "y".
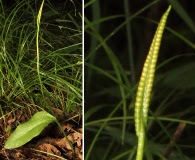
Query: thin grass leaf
{"x": 177, "y": 34}
{"x": 145, "y": 86}
{"x": 118, "y": 70}
{"x": 130, "y": 42}
{"x": 47, "y": 153}
{"x": 96, "y": 15}
{"x": 118, "y": 28}
{"x": 28, "y": 130}
{"x": 183, "y": 14}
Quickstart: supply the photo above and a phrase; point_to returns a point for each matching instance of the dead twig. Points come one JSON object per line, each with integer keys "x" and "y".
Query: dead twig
{"x": 175, "y": 138}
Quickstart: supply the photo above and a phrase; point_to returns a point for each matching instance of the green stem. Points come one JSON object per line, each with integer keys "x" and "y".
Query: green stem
{"x": 70, "y": 144}
{"x": 140, "y": 147}
{"x": 37, "y": 45}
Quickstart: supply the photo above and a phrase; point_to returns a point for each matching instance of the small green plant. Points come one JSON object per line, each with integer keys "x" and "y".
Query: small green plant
{"x": 40, "y": 65}
{"x": 145, "y": 86}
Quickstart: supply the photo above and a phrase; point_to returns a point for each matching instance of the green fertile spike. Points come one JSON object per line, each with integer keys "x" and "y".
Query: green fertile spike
{"x": 146, "y": 81}
{"x": 145, "y": 86}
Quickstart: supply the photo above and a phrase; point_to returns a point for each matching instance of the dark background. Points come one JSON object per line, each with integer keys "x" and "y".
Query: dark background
{"x": 100, "y": 90}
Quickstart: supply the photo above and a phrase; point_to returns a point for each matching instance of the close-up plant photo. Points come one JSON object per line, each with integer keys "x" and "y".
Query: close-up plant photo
{"x": 139, "y": 82}
{"x": 41, "y": 80}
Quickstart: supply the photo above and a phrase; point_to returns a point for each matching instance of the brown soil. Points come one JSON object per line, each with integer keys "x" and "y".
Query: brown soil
{"x": 51, "y": 141}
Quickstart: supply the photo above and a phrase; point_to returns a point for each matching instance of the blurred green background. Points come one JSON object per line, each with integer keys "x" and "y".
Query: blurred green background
{"x": 118, "y": 35}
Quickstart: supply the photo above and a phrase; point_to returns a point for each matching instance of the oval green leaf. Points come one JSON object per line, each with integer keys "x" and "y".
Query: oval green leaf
{"x": 28, "y": 130}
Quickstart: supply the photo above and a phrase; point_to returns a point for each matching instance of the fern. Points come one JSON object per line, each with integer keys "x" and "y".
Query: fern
{"x": 145, "y": 86}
